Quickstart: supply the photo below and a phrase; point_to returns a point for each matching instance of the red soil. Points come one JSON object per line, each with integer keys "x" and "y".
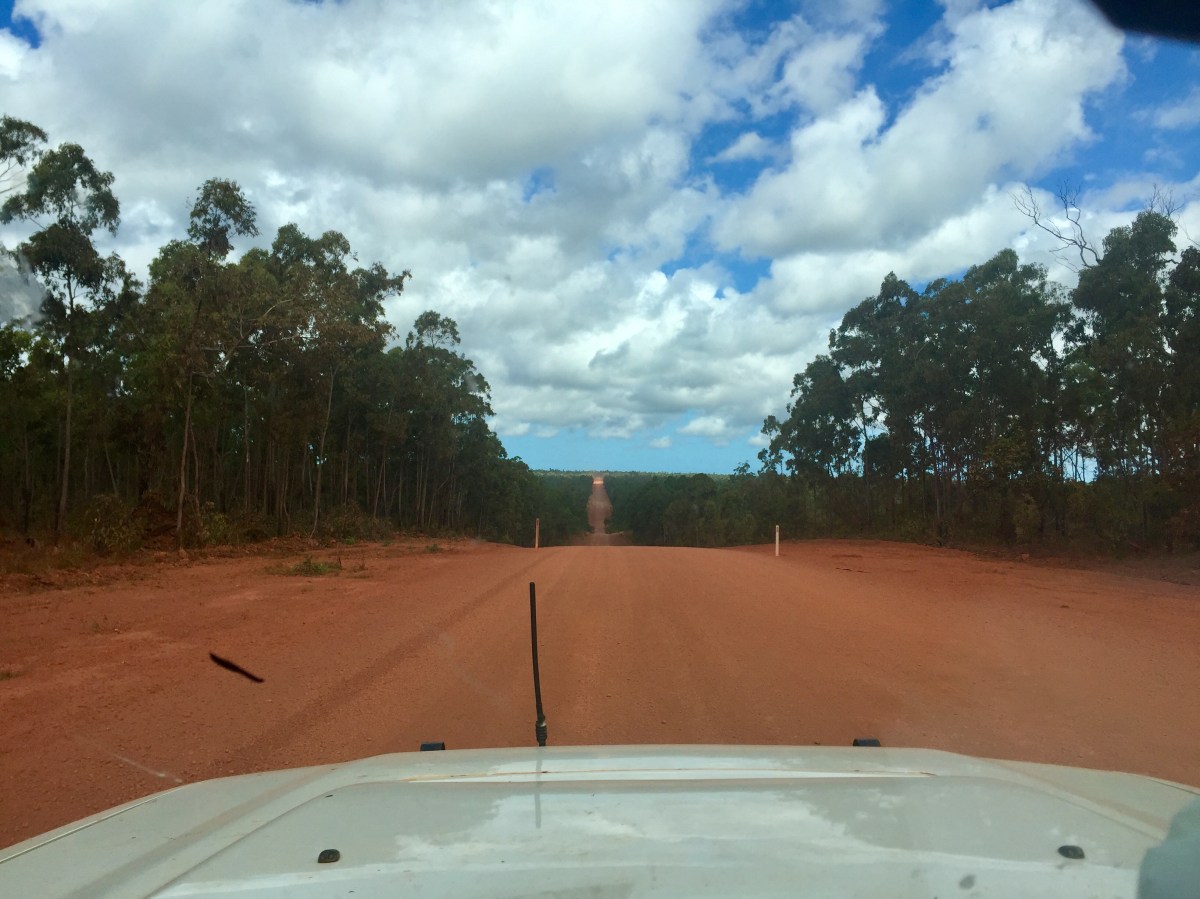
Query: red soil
{"x": 599, "y": 510}
{"x": 107, "y": 692}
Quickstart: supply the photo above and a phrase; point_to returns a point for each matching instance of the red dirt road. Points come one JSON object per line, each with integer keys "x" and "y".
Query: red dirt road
{"x": 109, "y": 693}
{"x": 599, "y": 509}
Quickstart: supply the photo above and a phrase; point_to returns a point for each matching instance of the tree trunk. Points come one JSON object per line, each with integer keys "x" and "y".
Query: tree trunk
{"x": 321, "y": 456}
{"x": 380, "y": 483}
{"x": 111, "y": 474}
{"x": 400, "y": 494}
{"x": 87, "y": 470}
{"x": 246, "y": 487}
{"x": 26, "y": 485}
{"x": 187, "y": 428}
{"x": 61, "y": 513}
{"x": 346, "y": 464}
{"x": 195, "y": 477}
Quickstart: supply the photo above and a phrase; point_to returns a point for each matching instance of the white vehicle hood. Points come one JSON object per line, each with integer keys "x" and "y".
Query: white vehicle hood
{"x": 620, "y": 821}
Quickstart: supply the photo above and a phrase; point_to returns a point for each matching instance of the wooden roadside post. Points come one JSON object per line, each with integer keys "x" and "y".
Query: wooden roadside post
{"x": 777, "y": 541}
{"x": 537, "y": 532}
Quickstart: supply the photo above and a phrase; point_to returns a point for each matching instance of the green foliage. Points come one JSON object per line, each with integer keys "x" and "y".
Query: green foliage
{"x": 234, "y": 400}
{"x": 249, "y": 398}
{"x": 991, "y": 408}
{"x": 561, "y": 506}
{"x": 220, "y": 211}
{"x": 66, "y": 198}
{"x": 64, "y": 185}
{"x": 110, "y": 525}
{"x": 977, "y": 409}
{"x": 255, "y": 526}
{"x": 209, "y": 527}
{"x": 348, "y": 523}
{"x": 308, "y": 567}
{"x": 694, "y": 510}
{"x": 21, "y": 143}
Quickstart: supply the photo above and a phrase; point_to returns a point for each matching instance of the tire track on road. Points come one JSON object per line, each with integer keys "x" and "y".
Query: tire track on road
{"x": 919, "y": 647}
{"x": 330, "y": 703}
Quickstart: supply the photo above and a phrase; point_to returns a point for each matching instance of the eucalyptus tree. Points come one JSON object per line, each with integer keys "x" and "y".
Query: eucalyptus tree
{"x": 21, "y": 143}
{"x": 819, "y": 434}
{"x": 337, "y": 322}
{"x": 1181, "y": 456}
{"x": 1016, "y": 435}
{"x": 16, "y": 400}
{"x": 446, "y": 394}
{"x": 1125, "y": 341}
{"x": 947, "y": 387}
{"x": 67, "y": 199}
{"x": 188, "y": 334}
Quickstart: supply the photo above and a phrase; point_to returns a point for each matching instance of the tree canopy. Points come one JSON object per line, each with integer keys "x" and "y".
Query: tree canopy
{"x": 265, "y": 391}
{"x": 993, "y": 407}
{"x": 233, "y": 396}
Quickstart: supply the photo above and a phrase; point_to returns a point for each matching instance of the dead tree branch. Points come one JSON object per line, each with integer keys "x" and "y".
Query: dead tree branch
{"x": 1071, "y": 239}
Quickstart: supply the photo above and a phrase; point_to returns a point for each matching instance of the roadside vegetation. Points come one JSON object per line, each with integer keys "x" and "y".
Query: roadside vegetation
{"x": 227, "y": 402}
{"x": 308, "y": 567}
{"x": 231, "y": 401}
{"x": 997, "y": 407}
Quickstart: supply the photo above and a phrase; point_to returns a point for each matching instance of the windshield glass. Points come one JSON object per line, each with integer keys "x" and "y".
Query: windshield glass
{"x": 833, "y": 370}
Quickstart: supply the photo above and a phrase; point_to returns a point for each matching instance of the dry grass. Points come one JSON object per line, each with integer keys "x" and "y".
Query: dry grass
{"x": 35, "y": 558}
{"x": 309, "y": 567}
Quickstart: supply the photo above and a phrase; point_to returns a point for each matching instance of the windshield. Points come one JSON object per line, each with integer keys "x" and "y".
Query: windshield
{"x": 833, "y": 369}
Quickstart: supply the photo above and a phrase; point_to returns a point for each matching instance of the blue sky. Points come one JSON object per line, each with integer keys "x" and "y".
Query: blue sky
{"x": 645, "y": 218}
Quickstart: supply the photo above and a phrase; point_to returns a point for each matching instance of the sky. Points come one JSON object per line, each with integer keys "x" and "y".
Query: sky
{"x": 644, "y": 217}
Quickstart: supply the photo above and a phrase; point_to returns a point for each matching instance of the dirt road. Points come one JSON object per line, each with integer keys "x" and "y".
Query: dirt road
{"x": 108, "y": 692}
{"x": 599, "y": 510}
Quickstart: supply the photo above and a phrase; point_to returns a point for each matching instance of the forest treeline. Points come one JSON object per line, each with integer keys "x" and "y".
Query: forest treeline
{"x": 227, "y": 400}
{"x": 233, "y": 399}
{"x": 994, "y": 407}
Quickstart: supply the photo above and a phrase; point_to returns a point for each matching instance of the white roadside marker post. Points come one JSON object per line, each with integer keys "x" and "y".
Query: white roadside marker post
{"x": 777, "y": 541}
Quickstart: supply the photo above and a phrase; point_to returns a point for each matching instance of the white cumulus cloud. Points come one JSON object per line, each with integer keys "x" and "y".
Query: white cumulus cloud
{"x": 548, "y": 170}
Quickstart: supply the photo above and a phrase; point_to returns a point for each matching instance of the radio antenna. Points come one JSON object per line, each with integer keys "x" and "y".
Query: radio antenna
{"x": 539, "y": 728}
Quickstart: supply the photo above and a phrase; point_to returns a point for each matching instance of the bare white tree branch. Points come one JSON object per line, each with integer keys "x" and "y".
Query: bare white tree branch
{"x": 1071, "y": 239}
